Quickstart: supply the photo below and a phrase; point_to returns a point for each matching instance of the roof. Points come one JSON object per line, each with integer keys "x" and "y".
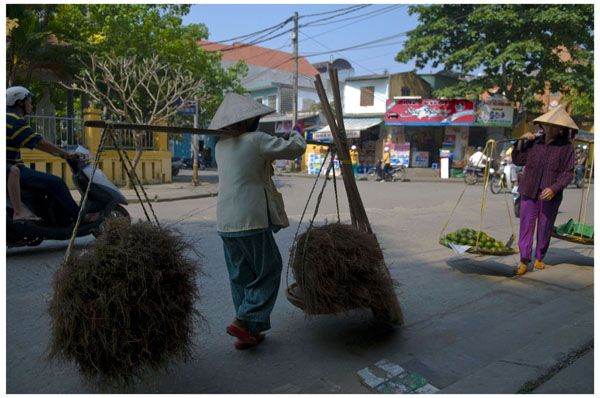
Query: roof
{"x": 260, "y": 56}
{"x": 355, "y": 124}
{"x": 368, "y": 77}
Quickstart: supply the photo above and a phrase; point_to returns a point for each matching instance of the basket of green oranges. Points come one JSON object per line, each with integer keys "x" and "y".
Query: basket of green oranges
{"x": 480, "y": 242}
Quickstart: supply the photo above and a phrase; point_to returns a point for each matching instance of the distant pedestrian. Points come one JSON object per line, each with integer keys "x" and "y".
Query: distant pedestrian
{"x": 354, "y": 159}
{"x": 249, "y": 211}
{"x": 549, "y": 160}
{"x": 385, "y": 164}
{"x": 580, "y": 162}
{"x": 207, "y": 158}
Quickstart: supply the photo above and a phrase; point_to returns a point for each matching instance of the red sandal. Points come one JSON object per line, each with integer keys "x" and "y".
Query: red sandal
{"x": 240, "y": 345}
{"x": 243, "y": 334}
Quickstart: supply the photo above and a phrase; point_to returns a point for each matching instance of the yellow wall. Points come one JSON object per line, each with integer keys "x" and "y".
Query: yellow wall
{"x": 154, "y": 167}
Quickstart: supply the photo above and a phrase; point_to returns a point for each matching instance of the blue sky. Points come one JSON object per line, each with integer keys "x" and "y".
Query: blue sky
{"x": 369, "y": 24}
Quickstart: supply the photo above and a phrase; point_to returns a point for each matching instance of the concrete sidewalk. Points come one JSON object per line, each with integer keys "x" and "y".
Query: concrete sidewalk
{"x": 181, "y": 188}
{"x": 411, "y": 177}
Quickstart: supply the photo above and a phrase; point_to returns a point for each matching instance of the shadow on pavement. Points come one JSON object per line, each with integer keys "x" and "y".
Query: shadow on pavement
{"x": 557, "y": 256}
{"x": 488, "y": 267}
{"x": 353, "y": 330}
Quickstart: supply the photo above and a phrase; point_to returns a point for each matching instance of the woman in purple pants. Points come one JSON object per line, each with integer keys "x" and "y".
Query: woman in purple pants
{"x": 549, "y": 160}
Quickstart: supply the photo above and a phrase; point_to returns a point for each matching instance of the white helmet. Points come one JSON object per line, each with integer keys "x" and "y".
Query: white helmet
{"x": 387, "y": 149}
{"x": 353, "y": 147}
{"x": 16, "y": 93}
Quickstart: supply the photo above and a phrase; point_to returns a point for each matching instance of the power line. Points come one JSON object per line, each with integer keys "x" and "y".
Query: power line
{"x": 323, "y": 45}
{"x": 360, "y": 20}
{"x": 368, "y": 15}
{"x": 357, "y": 7}
{"x": 266, "y": 34}
{"x": 372, "y": 42}
{"x": 329, "y": 19}
{"x": 274, "y": 27}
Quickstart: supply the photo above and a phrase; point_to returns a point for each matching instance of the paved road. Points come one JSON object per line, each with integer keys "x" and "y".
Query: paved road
{"x": 470, "y": 326}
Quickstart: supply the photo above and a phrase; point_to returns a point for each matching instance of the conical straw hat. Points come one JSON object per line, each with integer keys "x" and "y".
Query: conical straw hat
{"x": 558, "y": 117}
{"x": 236, "y": 108}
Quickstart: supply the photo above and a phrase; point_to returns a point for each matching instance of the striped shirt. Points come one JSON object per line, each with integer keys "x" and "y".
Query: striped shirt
{"x": 18, "y": 135}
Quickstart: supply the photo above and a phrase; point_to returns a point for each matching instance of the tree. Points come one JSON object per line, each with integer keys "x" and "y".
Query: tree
{"x": 136, "y": 91}
{"x": 517, "y": 48}
{"x": 146, "y": 31}
{"x": 31, "y": 50}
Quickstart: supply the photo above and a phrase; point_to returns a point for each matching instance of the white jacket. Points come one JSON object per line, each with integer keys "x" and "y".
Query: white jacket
{"x": 247, "y": 195}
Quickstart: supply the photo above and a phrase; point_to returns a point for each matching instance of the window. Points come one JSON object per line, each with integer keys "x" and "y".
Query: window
{"x": 405, "y": 91}
{"x": 272, "y": 101}
{"x": 307, "y": 104}
{"x": 367, "y": 96}
{"x": 259, "y": 100}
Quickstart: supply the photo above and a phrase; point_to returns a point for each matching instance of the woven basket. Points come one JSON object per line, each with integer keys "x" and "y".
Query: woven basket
{"x": 574, "y": 238}
{"x": 294, "y": 296}
{"x": 483, "y": 251}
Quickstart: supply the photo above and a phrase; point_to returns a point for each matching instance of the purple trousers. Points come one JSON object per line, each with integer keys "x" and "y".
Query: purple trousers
{"x": 544, "y": 213}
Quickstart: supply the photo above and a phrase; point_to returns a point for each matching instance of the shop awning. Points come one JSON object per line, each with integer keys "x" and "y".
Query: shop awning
{"x": 353, "y": 128}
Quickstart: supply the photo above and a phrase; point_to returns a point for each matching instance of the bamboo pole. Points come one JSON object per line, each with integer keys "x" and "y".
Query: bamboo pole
{"x": 344, "y": 154}
{"x": 357, "y": 211}
{"x": 333, "y": 127}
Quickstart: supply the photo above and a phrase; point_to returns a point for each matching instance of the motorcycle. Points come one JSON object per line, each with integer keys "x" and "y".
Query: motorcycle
{"x": 396, "y": 173}
{"x": 176, "y": 165}
{"x": 579, "y": 182}
{"x": 498, "y": 178}
{"x": 472, "y": 174}
{"x": 104, "y": 198}
{"x": 516, "y": 196}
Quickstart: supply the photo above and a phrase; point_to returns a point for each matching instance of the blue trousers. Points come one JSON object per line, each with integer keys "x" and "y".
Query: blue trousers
{"x": 55, "y": 186}
{"x": 254, "y": 265}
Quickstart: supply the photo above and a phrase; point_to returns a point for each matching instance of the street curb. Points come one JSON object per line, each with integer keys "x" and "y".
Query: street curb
{"x": 157, "y": 200}
{"x": 417, "y": 179}
{"x": 529, "y": 364}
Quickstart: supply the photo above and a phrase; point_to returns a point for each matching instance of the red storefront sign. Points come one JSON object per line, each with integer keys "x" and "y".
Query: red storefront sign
{"x": 429, "y": 112}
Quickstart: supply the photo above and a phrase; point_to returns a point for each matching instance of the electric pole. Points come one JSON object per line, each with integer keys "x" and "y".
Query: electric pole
{"x": 195, "y": 145}
{"x": 295, "y": 39}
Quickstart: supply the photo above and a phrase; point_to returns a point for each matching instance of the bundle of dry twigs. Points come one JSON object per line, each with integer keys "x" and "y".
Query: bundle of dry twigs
{"x": 126, "y": 306}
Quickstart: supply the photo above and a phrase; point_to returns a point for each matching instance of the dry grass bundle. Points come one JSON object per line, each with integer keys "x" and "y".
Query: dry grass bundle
{"x": 338, "y": 268}
{"x": 126, "y": 306}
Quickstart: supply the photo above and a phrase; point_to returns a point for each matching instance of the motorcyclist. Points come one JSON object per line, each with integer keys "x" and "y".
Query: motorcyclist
{"x": 20, "y": 135}
{"x": 478, "y": 159}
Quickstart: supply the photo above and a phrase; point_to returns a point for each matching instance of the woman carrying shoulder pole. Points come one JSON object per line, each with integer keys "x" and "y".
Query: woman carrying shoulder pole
{"x": 249, "y": 211}
{"x": 549, "y": 160}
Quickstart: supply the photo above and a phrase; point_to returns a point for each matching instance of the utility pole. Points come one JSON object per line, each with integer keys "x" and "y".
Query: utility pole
{"x": 295, "y": 39}
{"x": 295, "y": 110}
{"x": 195, "y": 145}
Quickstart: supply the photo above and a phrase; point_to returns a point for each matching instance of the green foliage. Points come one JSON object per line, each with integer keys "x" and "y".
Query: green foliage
{"x": 515, "y": 46}
{"x": 145, "y": 31}
{"x": 122, "y": 30}
{"x": 28, "y": 49}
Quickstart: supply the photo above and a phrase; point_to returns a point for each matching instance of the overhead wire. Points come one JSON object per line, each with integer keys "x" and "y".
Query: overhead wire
{"x": 329, "y": 19}
{"x": 368, "y": 15}
{"x": 360, "y": 20}
{"x": 323, "y": 45}
{"x": 274, "y": 27}
{"x": 358, "y": 6}
{"x": 269, "y": 33}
